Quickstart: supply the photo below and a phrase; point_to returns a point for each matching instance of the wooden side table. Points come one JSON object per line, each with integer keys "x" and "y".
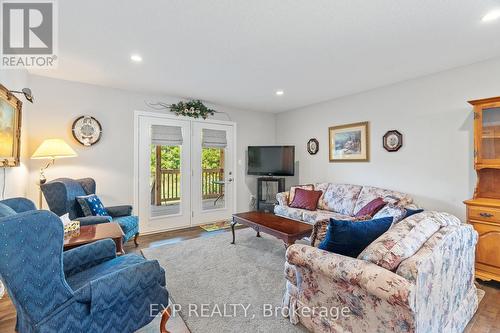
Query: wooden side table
{"x": 92, "y": 233}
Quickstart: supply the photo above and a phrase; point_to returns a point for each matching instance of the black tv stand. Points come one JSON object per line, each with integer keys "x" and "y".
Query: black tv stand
{"x": 267, "y": 188}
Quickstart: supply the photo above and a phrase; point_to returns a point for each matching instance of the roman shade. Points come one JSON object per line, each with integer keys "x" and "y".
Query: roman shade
{"x": 214, "y": 138}
{"x": 162, "y": 135}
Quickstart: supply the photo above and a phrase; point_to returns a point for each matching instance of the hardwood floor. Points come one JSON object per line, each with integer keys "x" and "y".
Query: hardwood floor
{"x": 486, "y": 320}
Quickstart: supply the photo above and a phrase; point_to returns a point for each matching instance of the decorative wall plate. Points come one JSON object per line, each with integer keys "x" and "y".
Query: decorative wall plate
{"x": 392, "y": 141}
{"x": 313, "y": 146}
{"x": 87, "y": 130}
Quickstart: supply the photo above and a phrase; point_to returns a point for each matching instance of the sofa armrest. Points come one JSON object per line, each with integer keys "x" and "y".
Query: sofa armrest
{"x": 282, "y": 198}
{"x": 443, "y": 273}
{"x": 88, "y": 255}
{"x": 117, "y": 211}
{"x": 90, "y": 220}
{"x": 121, "y": 285}
{"x": 374, "y": 279}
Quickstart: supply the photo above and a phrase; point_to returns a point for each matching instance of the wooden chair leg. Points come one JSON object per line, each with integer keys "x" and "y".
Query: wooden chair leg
{"x": 165, "y": 316}
{"x": 135, "y": 239}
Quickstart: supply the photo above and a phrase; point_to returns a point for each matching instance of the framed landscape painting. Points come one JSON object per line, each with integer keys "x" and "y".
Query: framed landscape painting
{"x": 349, "y": 143}
{"x": 10, "y": 128}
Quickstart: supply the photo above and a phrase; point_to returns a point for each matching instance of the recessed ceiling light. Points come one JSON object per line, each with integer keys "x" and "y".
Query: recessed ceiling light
{"x": 136, "y": 58}
{"x": 491, "y": 16}
{"x": 279, "y": 92}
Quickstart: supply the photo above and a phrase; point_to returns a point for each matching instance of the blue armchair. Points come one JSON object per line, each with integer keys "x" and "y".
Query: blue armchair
{"x": 61, "y": 194}
{"x": 19, "y": 205}
{"x": 86, "y": 289}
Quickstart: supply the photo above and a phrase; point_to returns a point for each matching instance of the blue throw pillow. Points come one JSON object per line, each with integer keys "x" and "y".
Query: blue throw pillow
{"x": 410, "y": 212}
{"x": 350, "y": 238}
{"x": 6, "y": 210}
{"x": 92, "y": 205}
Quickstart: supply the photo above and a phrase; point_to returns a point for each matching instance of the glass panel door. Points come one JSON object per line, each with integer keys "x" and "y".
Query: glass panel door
{"x": 213, "y": 178}
{"x": 163, "y": 173}
{"x": 490, "y": 134}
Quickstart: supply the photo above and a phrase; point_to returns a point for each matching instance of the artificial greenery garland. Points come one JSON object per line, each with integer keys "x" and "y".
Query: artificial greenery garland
{"x": 192, "y": 108}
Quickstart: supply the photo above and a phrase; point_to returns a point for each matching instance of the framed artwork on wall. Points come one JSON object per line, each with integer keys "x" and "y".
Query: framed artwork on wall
{"x": 349, "y": 143}
{"x": 10, "y": 128}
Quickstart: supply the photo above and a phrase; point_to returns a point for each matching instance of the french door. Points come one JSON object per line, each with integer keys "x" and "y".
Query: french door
{"x": 213, "y": 172}
{"x": 184, "y": 171}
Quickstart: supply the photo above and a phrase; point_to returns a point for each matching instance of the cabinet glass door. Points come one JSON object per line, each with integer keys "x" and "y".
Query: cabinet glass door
{"x": 489, "y": 136}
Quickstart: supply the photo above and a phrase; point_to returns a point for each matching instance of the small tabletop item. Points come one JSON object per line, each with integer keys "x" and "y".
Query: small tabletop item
{"x": 72, "y": 227}
{"x": 91, "y": 233}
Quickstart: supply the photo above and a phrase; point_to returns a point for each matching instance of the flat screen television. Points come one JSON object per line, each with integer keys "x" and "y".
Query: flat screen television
{"x": 271, "y": 160}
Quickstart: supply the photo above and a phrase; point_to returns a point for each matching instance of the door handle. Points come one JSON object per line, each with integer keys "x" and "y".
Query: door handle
{"x": 229, "y": 180}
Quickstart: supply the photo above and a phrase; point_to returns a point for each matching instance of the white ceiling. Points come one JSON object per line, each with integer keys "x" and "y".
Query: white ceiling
{"x": 239, "y": 52}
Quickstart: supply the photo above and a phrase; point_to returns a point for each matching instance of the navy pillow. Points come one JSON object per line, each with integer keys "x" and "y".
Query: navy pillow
{"x": 92, "y": 205}
{"x": 350, "y": 238}
{"x": 410, "y": 212}
{"x": 6, "y": 210}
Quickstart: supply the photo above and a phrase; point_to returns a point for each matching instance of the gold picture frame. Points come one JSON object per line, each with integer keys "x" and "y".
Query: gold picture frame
{"x": 10, "y": 128}
{"x": 349, "y": 143}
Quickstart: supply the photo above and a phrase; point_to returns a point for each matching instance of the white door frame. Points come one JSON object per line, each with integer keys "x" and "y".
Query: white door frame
{"x": 161, "y": 115}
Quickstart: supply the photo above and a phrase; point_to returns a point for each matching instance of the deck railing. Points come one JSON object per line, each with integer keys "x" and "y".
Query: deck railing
{"x": 167, "y": 187}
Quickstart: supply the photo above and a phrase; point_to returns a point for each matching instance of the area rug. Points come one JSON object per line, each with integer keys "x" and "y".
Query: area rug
{"x": 221, "y": 287}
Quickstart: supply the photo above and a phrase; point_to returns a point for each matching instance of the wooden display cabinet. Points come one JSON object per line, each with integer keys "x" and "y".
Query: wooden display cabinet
{"x": 483, "y": 210}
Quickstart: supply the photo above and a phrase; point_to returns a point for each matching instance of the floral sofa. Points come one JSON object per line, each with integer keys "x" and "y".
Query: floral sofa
{"x": 339, "y": 201}
{"x": 416, "y": 277}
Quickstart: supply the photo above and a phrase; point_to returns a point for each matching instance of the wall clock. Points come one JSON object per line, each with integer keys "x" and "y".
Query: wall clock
{"x": 392, "y": 141}
{"x": 87, "y": 130}
{"x": 313, "y": 146}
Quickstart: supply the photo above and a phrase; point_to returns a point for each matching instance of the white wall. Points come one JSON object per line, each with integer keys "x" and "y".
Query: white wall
{"x": 16, "y": 178}
{"x": 435, "y": 164}
{"x": 110, "y": 162}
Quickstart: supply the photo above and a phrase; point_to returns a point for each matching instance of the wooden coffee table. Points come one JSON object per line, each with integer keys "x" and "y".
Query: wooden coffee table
{"x": 280, "y": 227}
{"x": 91, "y": 233}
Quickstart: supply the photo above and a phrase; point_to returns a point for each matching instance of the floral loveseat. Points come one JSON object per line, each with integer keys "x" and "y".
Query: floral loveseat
{"x": 339, "y": 201}
{"x": 416, "y": 277}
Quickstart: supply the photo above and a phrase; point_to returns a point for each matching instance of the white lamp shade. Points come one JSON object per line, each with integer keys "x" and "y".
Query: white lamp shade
{"x": 52, "y": 149}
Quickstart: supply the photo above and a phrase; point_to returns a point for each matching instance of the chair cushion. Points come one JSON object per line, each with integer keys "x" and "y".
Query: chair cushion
{"x": 305, "y": 199}
{"x": 6, "y": 210}
{"x": 129, "y": 225}
{"x": 405, "y": 239}
{"x": 291, "y": 194}
{"x": 289, "y": 212}
{"x": 313, "y": 217}
{"x": 92, "y": 205}
{"x": 349, "y": 238}
{"x": 340, "y": 198}
{"x": 80, "y": 279}
{"x": 368, "y": 193}
{"x": 372, "y": 207}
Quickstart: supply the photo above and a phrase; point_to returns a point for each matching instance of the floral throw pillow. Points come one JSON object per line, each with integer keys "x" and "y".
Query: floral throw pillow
{"x": 92, "y": 205}
{"x": 398, "y": 213}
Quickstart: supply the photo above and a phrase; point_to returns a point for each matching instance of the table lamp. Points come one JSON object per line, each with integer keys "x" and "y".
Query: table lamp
{"x": 51, "y": 149}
